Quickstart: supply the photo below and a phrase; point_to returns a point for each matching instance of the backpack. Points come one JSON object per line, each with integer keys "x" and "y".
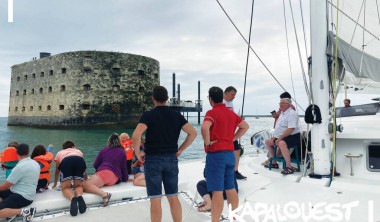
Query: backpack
{"x": 313, "y": 114}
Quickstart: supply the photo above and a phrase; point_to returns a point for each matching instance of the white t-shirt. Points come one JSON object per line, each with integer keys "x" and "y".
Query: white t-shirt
{"x": 229, "y": 105}
{"x": 287, "y": 119}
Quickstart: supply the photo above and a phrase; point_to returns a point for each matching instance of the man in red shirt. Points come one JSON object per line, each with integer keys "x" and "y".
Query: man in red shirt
{"x": 218, "y": 132}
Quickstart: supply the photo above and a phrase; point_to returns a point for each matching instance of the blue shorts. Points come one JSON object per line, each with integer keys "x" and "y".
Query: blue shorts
{"x": 292, "y": 140}
{"x": 158, "y": 170}
{"x": 72, "y": 168}
{"x": 220, "y": 172}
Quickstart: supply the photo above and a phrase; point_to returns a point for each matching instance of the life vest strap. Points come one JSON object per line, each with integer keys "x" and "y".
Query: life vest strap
{"x": 44, "y": 172}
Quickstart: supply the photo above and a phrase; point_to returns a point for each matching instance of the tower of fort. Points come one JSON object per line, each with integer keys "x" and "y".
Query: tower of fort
{"x": 82, "y": 88}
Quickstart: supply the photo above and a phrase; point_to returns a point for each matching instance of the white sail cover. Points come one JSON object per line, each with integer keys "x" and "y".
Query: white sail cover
{"x": 358, "y": 31}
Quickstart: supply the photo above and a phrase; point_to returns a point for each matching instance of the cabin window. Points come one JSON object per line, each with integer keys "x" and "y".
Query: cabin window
{"x": 41, "y": 90}
{"x": 34, "y": 75}
{"x": 373, "y": 152}
{"x": 61, "y": 107}
{"x": 17, "y": 93}
{"x": 63, "y": 88}
{"x": 24, "y": 92}
{"x": 31, "y": 108}
{"x": 86, "y": 87}
{"x": 63, "y": 70}
{"x": 18, "y": 78}
{"x": 51, "y": 72}
{"x": 39, "y": 108}
{"x": 50, "y": 89}
{"x": 42, "y": 74}
{"x": 26, "y": 77}
{"x": 48, "y": 107}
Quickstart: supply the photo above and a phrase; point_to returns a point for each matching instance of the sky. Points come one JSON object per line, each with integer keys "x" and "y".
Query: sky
{"x": 192, "y": 38}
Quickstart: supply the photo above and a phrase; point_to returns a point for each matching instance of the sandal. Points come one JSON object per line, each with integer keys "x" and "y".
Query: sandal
{"x": 205, "y": 208}
{"x": 274, "y": 165}
{"x": 106, "y": 199}
{"x": 287, "y": 171}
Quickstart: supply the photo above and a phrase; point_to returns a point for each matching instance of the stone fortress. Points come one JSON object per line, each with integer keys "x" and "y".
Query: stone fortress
{"x": 82, "y": 88}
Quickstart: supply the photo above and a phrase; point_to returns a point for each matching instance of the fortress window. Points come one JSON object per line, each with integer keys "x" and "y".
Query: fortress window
{"x": 24, "y": 92}
{"x": 61, "y": 107}
{"x": 26, "y": 77}
{"x": 17, "y": 93}
{"x": 32, "y": 91}
{"x": 16, "y": 109}
{"x": 51, "y": 72}
{"x": 42, "y": 74}
{"x": 115, "y": 88}
{"x": 116, "y": 70}
{"x": 86, "y": 106}
{"x": 86, "y": 87}
{"x": 48, "y": 107}
{"x": 141, "y": 89}
{"x": 23, "y": 109}
{"x": 39, "y": 108}
{"x": 18, "y": 78}
{"x": 156, "y": 75}
{"x": 63, "y": 88}
{"x": 31, "y": 108}
{"x": 41, "y": 90}
{"x": 50, "y": 89}
{"x": 63, "y": 70}
{"x": 140, "y": 72}
{"x": 34, "y": 75}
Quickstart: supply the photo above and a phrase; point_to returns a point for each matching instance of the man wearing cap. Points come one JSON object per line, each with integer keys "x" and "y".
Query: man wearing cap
{"x": 286, "y": 134}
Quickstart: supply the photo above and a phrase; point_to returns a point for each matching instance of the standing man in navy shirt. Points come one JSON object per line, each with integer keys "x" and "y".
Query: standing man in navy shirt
{"x": 162, "y": 126}
{"x": 221, "y": 126}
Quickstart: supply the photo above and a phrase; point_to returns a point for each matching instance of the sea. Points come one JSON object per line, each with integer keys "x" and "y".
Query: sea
{"x": 91, "y": 141}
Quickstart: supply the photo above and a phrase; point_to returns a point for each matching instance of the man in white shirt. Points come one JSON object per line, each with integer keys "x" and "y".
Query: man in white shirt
{"x": 286, "y": 134}
{"x": 228, "y": 97}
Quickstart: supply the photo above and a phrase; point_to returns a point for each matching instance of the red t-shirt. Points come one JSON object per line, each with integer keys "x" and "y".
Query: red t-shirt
{"x": 224, "y": 123}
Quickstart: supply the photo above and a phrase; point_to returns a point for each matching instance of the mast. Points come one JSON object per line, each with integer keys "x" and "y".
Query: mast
{"x": 320, "y": 137}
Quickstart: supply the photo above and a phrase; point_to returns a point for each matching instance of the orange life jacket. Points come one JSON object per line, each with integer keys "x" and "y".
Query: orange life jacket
{"x": 128, "y": 149}
{"x": 8, "y": 155}
{"x": 44, "y": 161}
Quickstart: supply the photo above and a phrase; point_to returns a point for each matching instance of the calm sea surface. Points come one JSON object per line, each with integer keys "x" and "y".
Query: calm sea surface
{"x": 92, "y": 140}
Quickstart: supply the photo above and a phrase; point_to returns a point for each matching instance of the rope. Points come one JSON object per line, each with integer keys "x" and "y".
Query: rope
{"x": 254, "y": 52}
{"x": 247, "y": 62}
{"x": 378, "y": 14}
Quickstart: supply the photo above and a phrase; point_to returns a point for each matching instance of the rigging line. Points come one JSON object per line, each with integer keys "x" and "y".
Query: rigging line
{"x": 299, "y": 49}
{"x": 247, "y": 62}
{"x": 377, "y": 7}
{"x": 254, "y": 52}
{"x": 287, "y": 46}
{"x": 363, "y": 46}
{"x": 369, "y": 32}
{"x": 303, "y": 27}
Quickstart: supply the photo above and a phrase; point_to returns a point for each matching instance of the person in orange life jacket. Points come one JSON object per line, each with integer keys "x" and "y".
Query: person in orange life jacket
{"x": 8, "y": 158}
{"x": 220, "y": 128}
{"x": 44, "y": 159}
{"x": 126, "y": 142}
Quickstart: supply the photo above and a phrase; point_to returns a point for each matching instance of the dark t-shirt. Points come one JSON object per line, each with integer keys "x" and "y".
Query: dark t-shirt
{"x": 164, "y": 126}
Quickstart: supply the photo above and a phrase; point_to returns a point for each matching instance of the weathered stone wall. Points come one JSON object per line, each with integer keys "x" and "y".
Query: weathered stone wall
{"x": 82, "y": 88}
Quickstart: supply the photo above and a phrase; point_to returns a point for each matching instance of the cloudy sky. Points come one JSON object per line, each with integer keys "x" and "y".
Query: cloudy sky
{"x": 192, "y": 38}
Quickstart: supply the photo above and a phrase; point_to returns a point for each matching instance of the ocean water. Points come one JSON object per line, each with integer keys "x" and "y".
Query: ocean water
{"x": 90, "y": 141}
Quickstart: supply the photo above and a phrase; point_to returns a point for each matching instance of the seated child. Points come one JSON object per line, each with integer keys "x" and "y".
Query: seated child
{"x": 44, "y": 159}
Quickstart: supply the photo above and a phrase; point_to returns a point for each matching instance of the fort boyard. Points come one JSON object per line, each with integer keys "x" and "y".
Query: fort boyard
{"x": 82, "y": 89}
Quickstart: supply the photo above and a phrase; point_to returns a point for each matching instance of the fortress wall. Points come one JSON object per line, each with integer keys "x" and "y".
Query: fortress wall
{"x": 82, "y": 88}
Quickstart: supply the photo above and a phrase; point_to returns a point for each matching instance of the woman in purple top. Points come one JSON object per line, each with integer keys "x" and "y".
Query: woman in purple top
{"x": 111, "y": 168}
